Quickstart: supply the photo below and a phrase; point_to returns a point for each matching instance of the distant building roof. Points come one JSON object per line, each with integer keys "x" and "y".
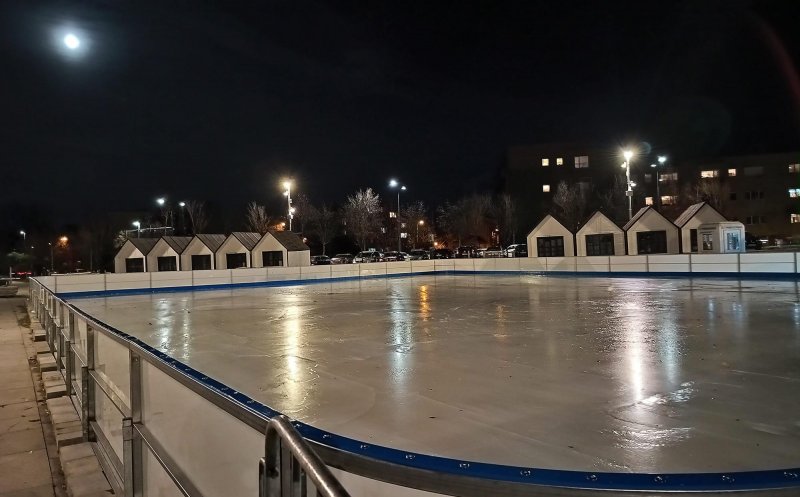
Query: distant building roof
{"x": 212, "y": 241}
{"x": 690, "y": 212}
{"x": 248, "y": 239}
{"x": 145, "y": 245}
{"x": 290, "y": 241}
{"x": 178, "y": 243}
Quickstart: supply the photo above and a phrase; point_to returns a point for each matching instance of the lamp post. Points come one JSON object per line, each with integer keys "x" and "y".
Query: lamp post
{"x": 629, "y": 192}
{"x": 182, "y": 205}
{"x": 421, "y": 222}
{"x": 394, "y": 184}
{"x": 661, "y": 160}
{"x": 138, "y": 226}
{"x": 288, "y": 194}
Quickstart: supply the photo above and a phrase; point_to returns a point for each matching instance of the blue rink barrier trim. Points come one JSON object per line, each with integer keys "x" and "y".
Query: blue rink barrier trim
{"x": 787, "y": 478}
{"x": 317, "y": 281}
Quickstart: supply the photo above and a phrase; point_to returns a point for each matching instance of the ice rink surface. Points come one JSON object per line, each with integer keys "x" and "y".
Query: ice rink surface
{"x": 661, "y": 375}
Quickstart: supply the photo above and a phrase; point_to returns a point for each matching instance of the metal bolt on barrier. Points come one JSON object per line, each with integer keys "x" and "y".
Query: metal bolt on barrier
{"x": 410, "y": 456}
{"x": 463, "y": 465}
{"x": 591, "y": 477}
{"x": 526, "y": 472}
{"x": 659, "y": 479}
{"x": 363, "y": 446}
{"x": 728, "y": 479}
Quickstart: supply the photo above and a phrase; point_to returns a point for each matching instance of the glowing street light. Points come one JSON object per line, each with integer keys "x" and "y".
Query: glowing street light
{"x": 421, "y": 222}
{"x": 394, "y": 184}
{"x": 661, "y": 160}
{"x": 288, "y": 194}
{"x": 138, "y": 226}
{"x": 182, "y": 204}
{"x": 629, "y": 193}
{"x": 160, "y": 201}
{"x": 23, "y": 234}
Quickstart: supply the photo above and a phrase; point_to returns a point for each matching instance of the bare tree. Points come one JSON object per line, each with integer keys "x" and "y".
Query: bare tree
{"x": 571, "y": 202}
{"x": 257, "y": 218}
{"x": 304, "y": 212}
{"x": 468, "y": 220}
{"x": 324, "y": 225}
{"x": 713, "y": 191}
{"x": 613, "y": 201}
{"x": 506, "y": 214}
{"x": 196, "y": 210}
{"x": 416, "y": 215}
{"x": 362, "y": 216}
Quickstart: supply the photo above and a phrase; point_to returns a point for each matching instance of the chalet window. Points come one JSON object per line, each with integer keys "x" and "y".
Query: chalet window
{"x": 134, "y": 265}
{"x": 236, "y": 260}
{"x": 652, "y": 242}
{"x": 602, "y": 244}
{"x": 169, "y": 263}
{"x": 272, "y": 258}
{"x": 581, "y": 161}
{"x": 201, "y": 262}
{"x": 708, "y": 242}
{"x": 550, "y": 246}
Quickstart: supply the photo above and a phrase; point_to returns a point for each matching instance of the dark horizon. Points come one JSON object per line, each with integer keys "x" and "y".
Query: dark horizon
{"x": 221, "y": 103}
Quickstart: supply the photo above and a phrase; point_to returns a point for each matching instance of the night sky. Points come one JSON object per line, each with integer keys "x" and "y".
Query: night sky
{"x": 218, "y": 103}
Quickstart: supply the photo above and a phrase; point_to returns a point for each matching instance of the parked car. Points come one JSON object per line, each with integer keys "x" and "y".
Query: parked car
{"x": 320, "y": 260}
{"x": 466, "y": 252}
{"x": 368, "y": 256}
{"x": 342, "y": 259}
{"x": 442, "y": 254}
{"x": 392, "y": 256}
{"x": 752, "y": 242}
{"x": 517, "y": 250}
{"x": 419, "y": 254}
{"x": 495, "y": 251}
{"x": 480, "y": 253}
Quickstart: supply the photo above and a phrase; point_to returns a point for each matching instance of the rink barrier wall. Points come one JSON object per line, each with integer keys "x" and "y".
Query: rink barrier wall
{"x": 747, "y": 265}
{"x": 164, "y": 428}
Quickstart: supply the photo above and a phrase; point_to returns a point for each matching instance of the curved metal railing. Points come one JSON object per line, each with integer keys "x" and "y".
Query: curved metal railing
{"x": 349, "y": 457}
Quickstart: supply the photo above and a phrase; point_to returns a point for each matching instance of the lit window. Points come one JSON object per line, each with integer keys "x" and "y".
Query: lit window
{"x": 668, "y": 177}
{"x": 711, "y": 173}
{"x": 731, "y": 172}
{"x": 545, "y": 162}
{"x": 546, "y": 188}
{"x": 648, "y": 201}
{"x": 581, "y": 161}
{"x": 794, "y": 192}
{"x": 754, "y": 171}
{"x": 794, "y": 218}
{"x": 668, "y": 199}
{"x": 392, "y": 214}
{"x": 559, "y": 161}
{"x": 794, "y": 168}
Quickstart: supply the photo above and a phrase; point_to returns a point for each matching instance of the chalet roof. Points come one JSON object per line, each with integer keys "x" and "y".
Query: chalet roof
{"x": 556, "y": 218}
{"x": 145, "y": 245}
{"x": 635, "y": 219}
{"x": 595, "y": 213}
{"x": 178, "y": 243}
{"x": 212, "y": 241}
{"x": 290, "y": 241}
{"x": 691, "y": 211}
{"x": 247, "y": 238}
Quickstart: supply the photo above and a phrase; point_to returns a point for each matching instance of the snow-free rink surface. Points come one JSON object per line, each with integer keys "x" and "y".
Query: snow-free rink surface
{"x": 603, "y": 374}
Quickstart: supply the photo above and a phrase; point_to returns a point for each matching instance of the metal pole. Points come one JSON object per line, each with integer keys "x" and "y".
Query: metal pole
{"x": 658, "y": 191}
{"x": 289, "y": 205}
{"x": 399, "y": 239}
{"x": 629, "y": 193}
{"x": 51, "y": 258}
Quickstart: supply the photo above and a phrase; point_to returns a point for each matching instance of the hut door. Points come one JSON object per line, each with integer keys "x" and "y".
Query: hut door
{"x": 134, "y": 265}
{"x": 652, "y": 242}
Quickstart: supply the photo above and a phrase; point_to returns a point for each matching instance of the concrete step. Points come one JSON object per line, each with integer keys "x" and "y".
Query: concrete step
{"x": 66, "y": 423}
{"x": 53, "y": 384}
{"x": 41, "y": 347}
{"x": 46, "y": 362}
{"x": 39, "y": 335}
{"x": 82, "y": 472}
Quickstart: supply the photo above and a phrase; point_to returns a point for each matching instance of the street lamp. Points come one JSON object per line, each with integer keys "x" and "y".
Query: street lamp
{"x": 629, "y": 192}
{"x": 182, "y": 205}
{"x": 394, "y": 184}
{"x": 661, "y": 160}
{"x": 138, "y": 226}
{"x": 24, "y": 235}
{"x": 421, "y": 222}
{"x": 288, "y": 194}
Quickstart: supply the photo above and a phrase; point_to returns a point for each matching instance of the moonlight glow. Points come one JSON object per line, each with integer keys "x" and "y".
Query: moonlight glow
{"x": 71, "y": 41}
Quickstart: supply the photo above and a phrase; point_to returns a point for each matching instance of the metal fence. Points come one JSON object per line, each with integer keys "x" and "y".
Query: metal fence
{"x": 162, "y": 428}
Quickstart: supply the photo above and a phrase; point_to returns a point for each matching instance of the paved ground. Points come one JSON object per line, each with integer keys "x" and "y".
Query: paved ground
{"x": 25, "y": 466}
{"x": 659, "y": 375}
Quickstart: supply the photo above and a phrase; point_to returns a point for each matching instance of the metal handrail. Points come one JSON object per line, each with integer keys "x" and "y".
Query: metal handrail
{"x": 289, "y": 460}
{"x": 425, "y": 472}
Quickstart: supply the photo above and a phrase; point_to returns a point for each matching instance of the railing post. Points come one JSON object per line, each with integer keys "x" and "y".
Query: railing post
{"x": 88, "y": 386}
{"x": 69, "y": 367}
{"x": 132, "y": 447}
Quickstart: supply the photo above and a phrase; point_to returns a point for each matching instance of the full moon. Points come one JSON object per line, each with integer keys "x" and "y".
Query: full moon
{"x": 71, "y": 41}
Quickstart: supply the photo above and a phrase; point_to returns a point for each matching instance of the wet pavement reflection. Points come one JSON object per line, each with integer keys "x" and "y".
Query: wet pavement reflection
{"x": 668, "y": 375}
